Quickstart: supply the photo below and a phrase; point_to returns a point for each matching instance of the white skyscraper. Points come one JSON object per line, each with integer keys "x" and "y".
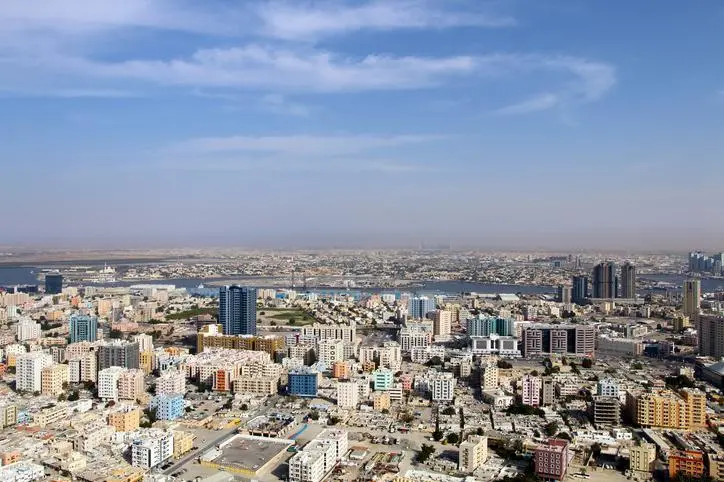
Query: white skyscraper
{"x": 442, "y": 386}
{"x": 27, "y": 329}
{"x": 29, "y": 369}
{"x": 347, "y": 395}
{"x": 531, "y": 390}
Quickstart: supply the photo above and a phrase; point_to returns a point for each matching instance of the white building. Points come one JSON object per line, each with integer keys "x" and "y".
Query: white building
{"x": 171, "y": 382}
{"x": 145, "y": 342}
{"x": 27, "y": 329}
{"x": 23, "y": 471}
{"x": 413, "y": 335}
{"x": 306, "y": 467}
{"x": 152, "y": 448}
{"x": 29, "y": 369}
{"x": 442, "y": 387}
{"x": 330, "y": 351}
{"x": 531, "y": 390}
{"x": 506, "y": 346}
{"x": 347, "y": 395}
{"x": 108, "y": 382}
{"x": 319, "y": 456}
{"x": 423, "y": 354}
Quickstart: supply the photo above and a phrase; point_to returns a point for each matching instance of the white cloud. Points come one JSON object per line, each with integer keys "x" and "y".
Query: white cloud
{"x": 304, "y": 19}
{"x": 49, "y": 47}
{"x": 534, "y": 104}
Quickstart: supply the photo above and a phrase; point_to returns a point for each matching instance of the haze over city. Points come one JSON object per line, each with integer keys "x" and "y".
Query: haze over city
{"x": 497, "y": 124}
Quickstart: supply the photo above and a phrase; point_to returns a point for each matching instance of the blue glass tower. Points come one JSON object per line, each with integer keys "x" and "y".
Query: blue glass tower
{"x": 420, "y": 306}
{"x": 83, "y": 328}
{"x": 237, "y": 310}
{"x": 53, "y": 283}
{"x": 580, "y": 289}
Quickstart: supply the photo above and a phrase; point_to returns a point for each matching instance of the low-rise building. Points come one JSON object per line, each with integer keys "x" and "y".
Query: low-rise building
{"x": 127, "y": 419}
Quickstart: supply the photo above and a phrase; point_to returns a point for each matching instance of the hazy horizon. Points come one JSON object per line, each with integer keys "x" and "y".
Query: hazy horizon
{"x": 505, "y": 124}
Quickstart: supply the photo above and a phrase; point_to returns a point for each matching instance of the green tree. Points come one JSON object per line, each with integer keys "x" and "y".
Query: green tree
{"x": 452, "y": 438}
{"x": 551, "y": 429}
{"x": 462, "y": 418}
{"x": 244, "y": 407}
{"x": 437, "y": 434}
{"x": 73, "y": 396}
{"x": 587, "y": 363}
{"x": 449, "y": 411}
{"x": 426, "y": 451}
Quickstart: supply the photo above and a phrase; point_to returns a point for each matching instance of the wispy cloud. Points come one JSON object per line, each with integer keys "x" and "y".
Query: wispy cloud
{"x": 279, "y": 104}
{"x": 328, "y": 153}
{"x": 49, "y": 47}
{"x": 309, "y": 20}
{"x": 300, "y": 145}
{"x": 534, "y": 104}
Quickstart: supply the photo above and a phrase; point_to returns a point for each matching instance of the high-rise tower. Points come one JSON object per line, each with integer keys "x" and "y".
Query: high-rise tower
{"x": 237, "y": 310}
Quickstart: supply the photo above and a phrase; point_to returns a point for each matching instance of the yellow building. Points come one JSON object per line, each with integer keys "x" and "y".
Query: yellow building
{"x": 53, "y": 379}
{"x": 664, "y": 409}
{"x": 210, "y": 337}
{"x": 145, "y": 360}
{"x": 183, "y": 442}
{"x": 641, "y": 457}
{"x": 681, "y": 323}
{"x": 696, "y": 406}
{"x": 381, "y": 401}
{"x": 126, "y": 420}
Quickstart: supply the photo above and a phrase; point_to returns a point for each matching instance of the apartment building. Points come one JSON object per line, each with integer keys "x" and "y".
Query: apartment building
{"x": 473, "y": 453}
{"x": 53, "y": 379}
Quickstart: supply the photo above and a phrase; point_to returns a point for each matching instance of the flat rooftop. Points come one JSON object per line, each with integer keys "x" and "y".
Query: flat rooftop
{"x": 249, "y": 453}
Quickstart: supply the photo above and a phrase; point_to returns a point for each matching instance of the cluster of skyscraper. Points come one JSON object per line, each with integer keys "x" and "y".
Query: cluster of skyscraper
{"x": 237, "y": 310}
{"x": 702, "y": 263}
{"x": 605, "y": 283}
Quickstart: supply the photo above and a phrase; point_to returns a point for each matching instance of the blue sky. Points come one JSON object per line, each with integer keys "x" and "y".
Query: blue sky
{"x": 521, "y": 123}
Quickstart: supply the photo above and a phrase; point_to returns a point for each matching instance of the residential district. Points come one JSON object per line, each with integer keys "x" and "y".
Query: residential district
{"x": 602, "y": 380}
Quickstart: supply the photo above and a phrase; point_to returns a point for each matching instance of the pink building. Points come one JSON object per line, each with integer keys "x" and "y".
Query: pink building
{"x": 531, "y": 390}
{"x": 551, "y": 459}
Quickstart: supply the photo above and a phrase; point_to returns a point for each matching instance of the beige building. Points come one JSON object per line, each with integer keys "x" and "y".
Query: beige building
{"x": 83, "y": 368}
{"x": 381, "y": 401}
{"x": 183, "y": 442}
{"x": 53, "y": 380}
{"x": 692, "y": 298}
{"x": 490, "y": 377}
{"x": 126, "y": 419}
{"x": 130, "y": 385}
{"x": 8, "y": 415}
{"x": 50, "y": 415}
{"x": 641, "y": 457}
{"x": 473, "y": 453}
{"x": 256, "y": 385}
{"x": 442, "y": 323}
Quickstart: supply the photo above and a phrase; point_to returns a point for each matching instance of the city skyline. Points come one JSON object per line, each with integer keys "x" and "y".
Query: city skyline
{"x": 345, "y": 123}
